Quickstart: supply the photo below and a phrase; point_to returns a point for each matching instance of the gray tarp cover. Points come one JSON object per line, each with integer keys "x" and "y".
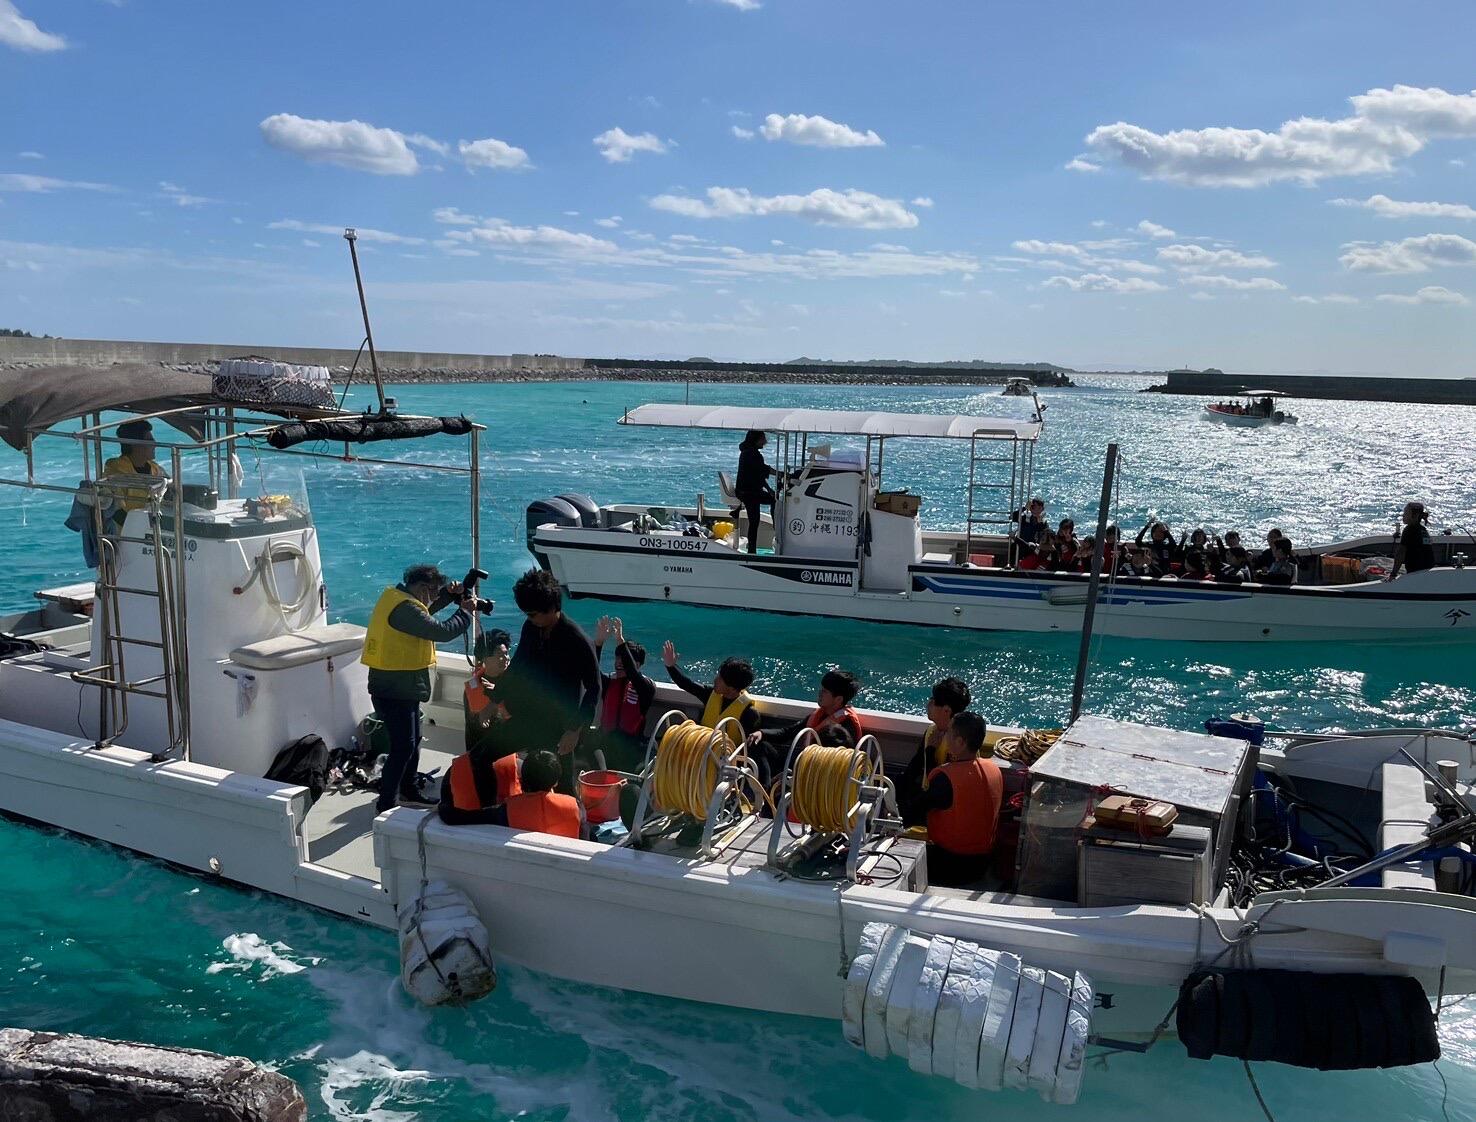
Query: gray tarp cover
{"x": 38, "y": 397}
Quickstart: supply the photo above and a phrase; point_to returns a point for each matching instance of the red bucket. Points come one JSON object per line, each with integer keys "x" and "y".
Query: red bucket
{"x": 599, "y": 791}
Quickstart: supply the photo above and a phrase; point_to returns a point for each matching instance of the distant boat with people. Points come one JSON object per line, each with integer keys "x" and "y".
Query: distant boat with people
{"x": 1253, "y": 409}
{"x": 1018, "y": 387}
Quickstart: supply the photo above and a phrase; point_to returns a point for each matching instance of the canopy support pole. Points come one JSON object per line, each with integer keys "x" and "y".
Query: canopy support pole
{"x": 352, "y": 237}
{"x": 1083, "y": 654}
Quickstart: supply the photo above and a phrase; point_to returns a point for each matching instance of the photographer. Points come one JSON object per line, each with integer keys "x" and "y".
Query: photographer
{"x": 399, "y": 650}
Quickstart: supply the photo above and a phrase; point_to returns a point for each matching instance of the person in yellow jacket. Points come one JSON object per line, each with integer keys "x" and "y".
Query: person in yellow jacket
{"x": 399, "y": 650}
{"x": 726, "y": 697}
{"x": 135, "y": 457}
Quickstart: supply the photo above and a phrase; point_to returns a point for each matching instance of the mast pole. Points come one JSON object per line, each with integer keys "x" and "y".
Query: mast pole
{"x": 1083, "y": 654}
{"x": 351, "y": 236}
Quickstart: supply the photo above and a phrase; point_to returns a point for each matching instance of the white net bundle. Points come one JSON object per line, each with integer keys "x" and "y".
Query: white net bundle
{"x": 260, "y": 381}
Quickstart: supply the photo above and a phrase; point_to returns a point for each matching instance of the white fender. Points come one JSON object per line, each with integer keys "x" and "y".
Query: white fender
{"x": 874, "y": 1015}
{"x": 1022, "y": 1033}
{"x": 1072, "y": 1064}
{"x": 959, "y": 987}
{"x": 903, "y": 997}
{"x": 925, "y": 1007}
{"x": 971, "y": 1024}
{"x": 994, "y": 1037}
{"x": 853, "y": 1001}
{"x": 445, "y": 952}
{"x": 1045, "y": 1055}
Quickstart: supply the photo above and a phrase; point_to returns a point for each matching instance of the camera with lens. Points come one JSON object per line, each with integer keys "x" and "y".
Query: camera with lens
{"x": 469, "y": 584}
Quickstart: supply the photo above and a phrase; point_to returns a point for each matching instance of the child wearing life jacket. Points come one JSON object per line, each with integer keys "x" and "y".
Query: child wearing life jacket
{"x": 963, "y": 798}
{"x": 626, "y": 697}
{"x": 482, "y": 710}
{"x": 726, "y": 698}
{"x": 476, "y": 786}
{"x": 538, "y": 807}
{"x": 838, "y": 688}
{"x": 949, "y": 698}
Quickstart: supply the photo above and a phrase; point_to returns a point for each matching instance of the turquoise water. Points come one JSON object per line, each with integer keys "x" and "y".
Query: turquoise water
{"x": 83, "y": 929}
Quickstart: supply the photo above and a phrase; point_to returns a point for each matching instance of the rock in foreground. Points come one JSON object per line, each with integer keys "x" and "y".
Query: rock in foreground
{"x": 60, "y": 1077}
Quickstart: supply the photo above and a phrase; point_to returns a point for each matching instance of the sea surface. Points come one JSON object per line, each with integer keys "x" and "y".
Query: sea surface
{"x": 99, "y": 941}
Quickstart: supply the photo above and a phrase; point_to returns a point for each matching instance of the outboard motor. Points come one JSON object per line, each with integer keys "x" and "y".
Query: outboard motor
{"x": 589, "y": 510}
{"x": 558, "y": 511}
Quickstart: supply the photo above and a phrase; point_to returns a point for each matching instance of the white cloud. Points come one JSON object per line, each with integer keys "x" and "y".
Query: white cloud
{"x": 1198, "y": 257}
{"x": 429, "y": 143}
{"x": 609, "y": 223}
{"x": 1080, "y": 163}
{"x": 364, "y": 233}
{"x": 741, "y": 5}
{"x": 1154, "y": 230}
{"x": 1332, "y": 298}
{"x": 22, "y": 34}
{"x": 450, "y": 216}
{"x": 1082, "y": 255}
{"x": 742, "y": 133}
{"x": 922, "y": 201}
{"x": 817, "y": 132}
{"x": 1430, "y": 294}
{"x": 1386, "y": 207}
{"x": 180, "y": 197}
{"x": 1101, "y": 282}
{"x": 1238, "y": 284}
{"x": 1412, "y": 255}
{"x": 493, "y": 153}
{"x": 618, "y": 146}
{"x": 41, "y": 184}
{"x": 1201, "y": 295}
{"x": 499, "y": 233}
{"x": 1386, "y": 126}
{"x": 824, "y": 205}
{"x": 1457, "y": 163}
{"x": 311, "y": 244}
{"x": 349, "y": 144}
{"x": 32, "y": 156}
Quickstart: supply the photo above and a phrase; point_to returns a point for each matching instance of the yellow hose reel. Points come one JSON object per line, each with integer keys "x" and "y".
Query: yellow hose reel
{"x": 695, "y": 771}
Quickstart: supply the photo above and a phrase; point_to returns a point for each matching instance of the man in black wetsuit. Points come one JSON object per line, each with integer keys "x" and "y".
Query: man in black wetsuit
{"x": 752, "y": 485}
{"x": 554, "y": 677}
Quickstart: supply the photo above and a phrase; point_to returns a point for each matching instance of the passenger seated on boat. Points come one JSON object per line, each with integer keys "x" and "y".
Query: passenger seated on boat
{"x": 1032, "y": 521}
{"x": 838, "y": 688}
{"x": 625, "y": 699}
{"x": 484, "y": 713}
{"x": 476, "y": 786}
{"x": 1264, "y": 559}
{"x": 1283, "y": 567}
{"x": 949, "y": 698}
{"x": 963, "y": 798}
{"x": 1222, "y": 547}
{"x": 554, "y": 674}
{"x": 1195, "y": 538}
{"x": 1084, "y": 550}
{"x": 1160, "y": 546}
{"x": 135, "y": 457}
{"x": 1029, "y": 557}
{"x": 538, "y": 807}
{"x": 1236, "y": 569}
{"x": 1195, "y": 566}
{"x": 1413, "y": 551}
{"x": 1063, "y": 546}
{"x": 726, "y": 697}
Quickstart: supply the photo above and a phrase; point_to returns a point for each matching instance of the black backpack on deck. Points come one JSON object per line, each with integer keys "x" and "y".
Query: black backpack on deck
{"x": 303, "y": 763}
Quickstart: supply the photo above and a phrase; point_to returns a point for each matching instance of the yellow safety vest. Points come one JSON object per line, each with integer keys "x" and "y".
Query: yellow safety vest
{"x": 133, "y": 498}
{"x": 385, "y": 648}
{"x": 714, "y": 711}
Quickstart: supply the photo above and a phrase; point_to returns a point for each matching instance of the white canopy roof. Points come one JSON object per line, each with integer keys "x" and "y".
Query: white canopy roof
{"x": 743, "y": 417}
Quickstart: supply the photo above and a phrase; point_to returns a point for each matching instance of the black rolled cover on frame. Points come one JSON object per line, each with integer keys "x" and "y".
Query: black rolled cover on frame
{"x": 366, "y": 429}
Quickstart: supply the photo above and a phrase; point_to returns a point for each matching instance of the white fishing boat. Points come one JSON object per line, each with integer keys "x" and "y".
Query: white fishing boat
{"x": 1018, "y": 387}
{"x": 144, "y": 710}
{"x": 840, "y": 544}
{"x": 1253, "y": 409}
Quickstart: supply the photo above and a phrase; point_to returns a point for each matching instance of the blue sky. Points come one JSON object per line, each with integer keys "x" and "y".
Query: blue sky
{"x": 1264, "y": 187}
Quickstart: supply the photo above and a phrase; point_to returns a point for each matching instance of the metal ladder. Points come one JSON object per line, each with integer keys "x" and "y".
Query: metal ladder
{"x": 111, "y": 676}
{"x": 992, "y": 503}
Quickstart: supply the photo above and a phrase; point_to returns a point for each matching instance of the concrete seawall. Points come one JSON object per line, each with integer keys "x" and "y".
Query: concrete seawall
{"x": 1424, "y": 391}
{"x": 101, "y": 352}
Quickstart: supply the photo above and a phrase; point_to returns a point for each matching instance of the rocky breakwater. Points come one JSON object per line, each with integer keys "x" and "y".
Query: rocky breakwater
{"x": 62, "y": 1077}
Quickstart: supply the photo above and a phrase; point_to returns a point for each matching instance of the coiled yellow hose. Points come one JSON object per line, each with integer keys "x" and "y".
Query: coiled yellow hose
{"x": 827, "y": 784}
{"x": 687, "y": 765}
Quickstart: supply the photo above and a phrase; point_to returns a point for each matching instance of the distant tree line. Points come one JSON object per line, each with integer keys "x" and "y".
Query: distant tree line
{"x": 17, "y": 333}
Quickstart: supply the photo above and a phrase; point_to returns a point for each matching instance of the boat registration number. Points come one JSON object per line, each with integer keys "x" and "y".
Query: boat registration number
{"x": 678, "y": 545}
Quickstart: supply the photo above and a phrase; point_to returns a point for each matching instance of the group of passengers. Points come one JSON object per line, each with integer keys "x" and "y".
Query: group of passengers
{"x": 538, "y": 712}
{"x": 1196, "y": 555}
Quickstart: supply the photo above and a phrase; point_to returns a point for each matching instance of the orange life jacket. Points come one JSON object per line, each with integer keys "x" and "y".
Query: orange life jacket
{"x": 546, "y": 812}
{"x": 474, "y": 788}
{"x": 967, "y": 827}
{"x": 478, "y": 696}
{"x": 845, "y": 716}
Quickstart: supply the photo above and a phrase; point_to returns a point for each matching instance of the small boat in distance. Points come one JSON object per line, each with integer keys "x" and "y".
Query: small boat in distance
{"x": 1018, "y": 387}
{"x": 1254, "y": 409}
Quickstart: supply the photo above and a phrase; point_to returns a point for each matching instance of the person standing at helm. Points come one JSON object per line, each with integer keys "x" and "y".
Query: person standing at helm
{"x": 399, "y": 650}
{"x": 752, "y": 485}
{"x": 1412, "y": 551}
{"x": 726, "y": 697}
{"x": 135, "y": 457}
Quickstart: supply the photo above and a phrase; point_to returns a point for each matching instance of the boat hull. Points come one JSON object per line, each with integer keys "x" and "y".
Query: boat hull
{"x": 1434, "y": 606}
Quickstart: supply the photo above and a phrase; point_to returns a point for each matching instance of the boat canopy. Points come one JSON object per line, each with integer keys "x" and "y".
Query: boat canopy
{"x": 743, "y": 418}
{"x": 1262, "y": 393}
{"x": 35, "y": 398}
